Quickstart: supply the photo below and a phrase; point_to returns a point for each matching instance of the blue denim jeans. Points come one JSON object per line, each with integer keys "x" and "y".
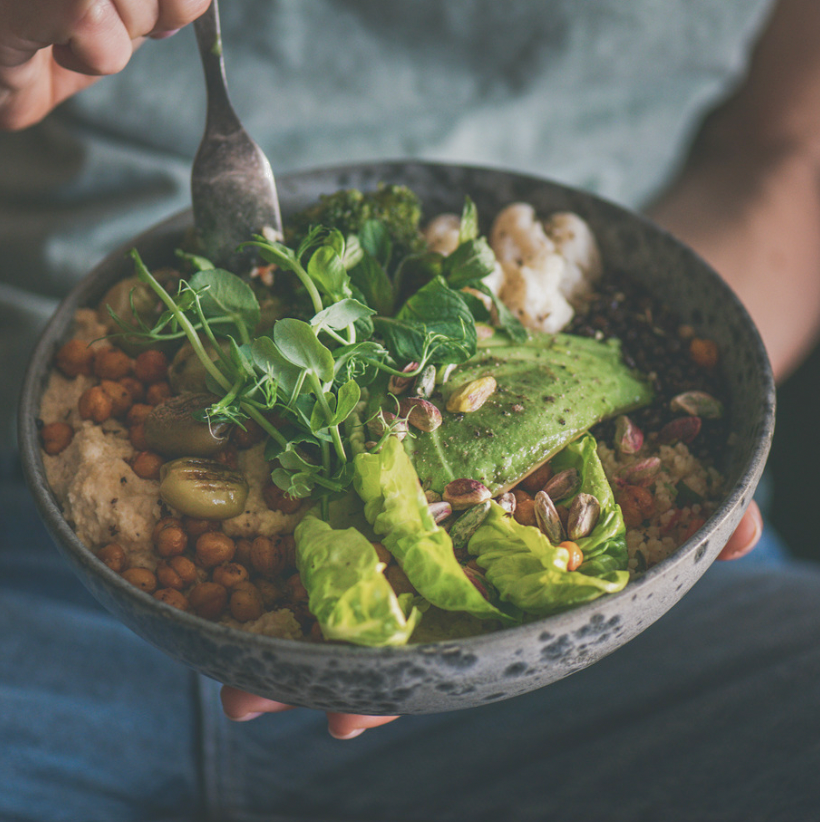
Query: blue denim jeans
{"x": 712, "y": 714}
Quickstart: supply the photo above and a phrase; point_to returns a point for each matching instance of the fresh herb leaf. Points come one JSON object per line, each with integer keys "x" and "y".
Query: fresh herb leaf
{"x": 472, "y": 260}
{"x": 370, "y": 277}
{"x": 375, "y": 240}
{"x": 298, "y": 343}
{"x": 327, "y": 270}
{"x": 468, "y": 228}
{"x": 224, "y": 295}
{"x": 340, "y": 315}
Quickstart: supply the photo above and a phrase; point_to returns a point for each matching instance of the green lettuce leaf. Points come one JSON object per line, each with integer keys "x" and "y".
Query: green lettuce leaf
{"x": 605, "y": 548}
{"x": 531, "y": 573}
{"x": 347, "y": 590}
{"x": 396, "y": 508}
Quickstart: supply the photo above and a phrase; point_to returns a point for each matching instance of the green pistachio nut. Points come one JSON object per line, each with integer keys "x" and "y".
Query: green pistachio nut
{"x": 203, "y": 489}
{"x": 171, "y": 430}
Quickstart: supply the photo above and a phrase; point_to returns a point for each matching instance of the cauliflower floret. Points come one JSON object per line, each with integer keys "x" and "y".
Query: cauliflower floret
{"x": 442, "y": 233}
{"x": 575, "y": 242}
{"x": 534, "y": 294}
{"x": 548, "y": 268}
{"x": 518, "y": 237}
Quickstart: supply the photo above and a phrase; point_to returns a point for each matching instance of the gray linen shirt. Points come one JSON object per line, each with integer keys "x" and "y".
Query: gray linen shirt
{"x": 602, "y": 94}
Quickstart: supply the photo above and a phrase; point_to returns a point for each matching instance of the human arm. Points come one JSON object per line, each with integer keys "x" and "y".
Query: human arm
{"x": 51, "y": 49}
{"x": 748, "y": 197}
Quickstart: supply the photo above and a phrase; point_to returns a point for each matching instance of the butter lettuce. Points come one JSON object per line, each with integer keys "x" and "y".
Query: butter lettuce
{"x": 396, "y": 508}
{"x": 531, "y": 573}
{"x": 605, "y": 548}
{"x": 348, "y": 593}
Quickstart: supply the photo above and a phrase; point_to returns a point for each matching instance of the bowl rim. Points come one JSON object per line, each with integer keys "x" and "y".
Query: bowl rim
{"x": 34, "y": 468}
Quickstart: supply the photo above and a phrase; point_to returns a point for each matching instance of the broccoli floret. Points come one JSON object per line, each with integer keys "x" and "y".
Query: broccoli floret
{"x": 396, "y": 206}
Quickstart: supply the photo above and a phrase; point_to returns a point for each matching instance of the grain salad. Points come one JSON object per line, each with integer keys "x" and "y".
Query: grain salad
{"x": 383, "y": 432}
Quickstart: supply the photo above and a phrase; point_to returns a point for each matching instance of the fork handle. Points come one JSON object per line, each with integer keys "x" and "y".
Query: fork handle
{"x": 221, "y": 116}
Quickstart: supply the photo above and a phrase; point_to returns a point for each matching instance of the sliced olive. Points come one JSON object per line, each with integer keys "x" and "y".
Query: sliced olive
{"x": 187, "y": 373}
{"x": 203, "y": 489}
{"x": 171, "y": 430}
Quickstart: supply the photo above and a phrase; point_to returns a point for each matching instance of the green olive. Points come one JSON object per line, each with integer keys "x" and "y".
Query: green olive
{"x": 187, "y": 373}
{"x": 203, "y": 489}
{"x": 171, "y": 430}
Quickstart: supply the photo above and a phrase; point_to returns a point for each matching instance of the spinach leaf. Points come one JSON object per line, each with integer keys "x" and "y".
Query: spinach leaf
{"x": 468, "y": 228}
{"x": 472, "y": 260}
{"x": 435, "y": 323}
{"x": 371, "y": 278}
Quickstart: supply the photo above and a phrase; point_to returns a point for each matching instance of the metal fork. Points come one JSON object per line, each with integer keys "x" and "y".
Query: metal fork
{"x": 232, "y": 186}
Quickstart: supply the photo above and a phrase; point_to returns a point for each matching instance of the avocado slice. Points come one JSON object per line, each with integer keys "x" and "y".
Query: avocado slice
{"x": 551, "y": 390}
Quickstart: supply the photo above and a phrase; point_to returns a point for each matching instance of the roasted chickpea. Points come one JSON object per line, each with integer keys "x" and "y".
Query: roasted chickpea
{"x": 121, "y": 400}
{"x": 176, "y": 572}
{"x": 295, "y": 590}
{"x": 142, "y": 578}
{"x": 398, "y": 580}
{"x": 250, "y": 435}
{"x": 146, "y": 465}
{"x": 230, "y": 574}
{"x": 113, "y": 556}
{"x": 208, "y": 600}
{"x": 171, "y": 596}
{"x": 136, "y": 436}
{"x": 112, "y": 364}
{"x": 151, "y": 366}
{"x": 246, "y": 603}
{"x": 703, "y": 353}
{"x": 157, "y": 393}
{"x": 521, "y": 495}
{"x": 74, "y": 358}
{"x": 384, "y": 555}
{"x": 525, "y": 512}
{"x": 171, "y": 541}
{"x": 278, "y": 500}
{"x": 165, "y": 522}
{"x": 271, "y": 592}
{"x": 95, "y": 405}
{"x": 214, "y": 548}
{"x": 637, "y": 504}
{"x": 267, "y": 557}
{"x": 137, "y": 413}
{"x": 197, "y": 527}
{"x": 537, "y": 479}
{"x": 243, "y": 552}
{"x": 228, "y": 456}
{"x": 135, "y": 388}
{"x": 287, "y": 543}
{"x": 56, "y": 437}
{"x": 576, "y": 555}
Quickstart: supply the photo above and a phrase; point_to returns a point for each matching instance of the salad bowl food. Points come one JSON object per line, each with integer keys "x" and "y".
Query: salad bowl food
{"x": 515, "y": 640}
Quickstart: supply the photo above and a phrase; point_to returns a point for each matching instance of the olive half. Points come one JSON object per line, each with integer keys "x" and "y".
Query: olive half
{"x": 203, "y": 489}
{"x": 171, "y": 430}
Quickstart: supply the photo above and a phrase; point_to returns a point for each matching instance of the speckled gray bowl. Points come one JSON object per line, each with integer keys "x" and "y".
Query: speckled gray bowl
{"x": 455, "y": 674}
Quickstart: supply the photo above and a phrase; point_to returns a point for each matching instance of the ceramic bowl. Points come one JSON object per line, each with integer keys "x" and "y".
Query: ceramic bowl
{"x": 453, "y": 674}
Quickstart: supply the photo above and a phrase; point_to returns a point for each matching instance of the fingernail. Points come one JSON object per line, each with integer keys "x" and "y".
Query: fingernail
{"x": 164, "y": 35}
{"x": 245, "y": 717}
{"x": 351, "y": 735}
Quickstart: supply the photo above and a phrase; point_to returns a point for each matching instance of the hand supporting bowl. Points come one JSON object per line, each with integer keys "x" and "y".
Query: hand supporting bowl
{"x": 462, "y": 673}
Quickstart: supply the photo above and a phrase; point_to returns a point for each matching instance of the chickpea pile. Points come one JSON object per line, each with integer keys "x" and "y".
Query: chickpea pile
{"x": 200, "y": 569}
